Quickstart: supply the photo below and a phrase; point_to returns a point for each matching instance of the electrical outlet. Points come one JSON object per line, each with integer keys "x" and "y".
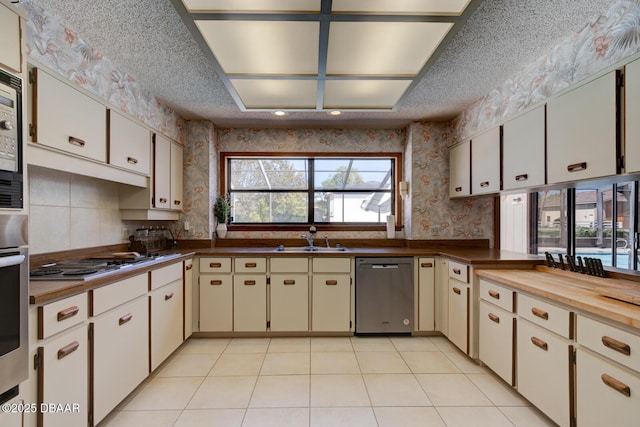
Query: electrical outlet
{"x": 186, "y": 226}
{"x": 125, "y": 233}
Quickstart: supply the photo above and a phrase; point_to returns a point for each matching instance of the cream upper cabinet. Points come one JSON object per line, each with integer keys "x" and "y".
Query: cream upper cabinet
{"x": 523, "y": 144}
{"x": 10, "y": 34}
{"x": 632, "y": 116}
{"x": 162, "y": 173}
{"x": 582, "y": 132}
{"x": 485, "y": 162}
{"x": 66, "y": 119}
{"x": 129, "y": 144}
{"x": 460, "y": 170}
{"x": 176, "y": 183}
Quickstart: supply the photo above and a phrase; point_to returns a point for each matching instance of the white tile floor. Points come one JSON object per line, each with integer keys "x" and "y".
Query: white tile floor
{"x": 358, "y": 381}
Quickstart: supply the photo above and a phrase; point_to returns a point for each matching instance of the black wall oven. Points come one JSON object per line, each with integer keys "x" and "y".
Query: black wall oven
{"x": 14, "y": 304}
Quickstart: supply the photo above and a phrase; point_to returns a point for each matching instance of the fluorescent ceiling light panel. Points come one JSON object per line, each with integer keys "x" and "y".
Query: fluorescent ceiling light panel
{"x": 252, "y": 6}
{"x": 382, "y": 48}
{"x": 276, "y": 94}
{"x": 363, "y": 94}
{"x": 263, "y": 47}
{"x": 412, "y": 7}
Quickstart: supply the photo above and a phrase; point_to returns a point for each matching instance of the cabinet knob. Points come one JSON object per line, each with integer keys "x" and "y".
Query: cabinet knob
{"x": 494, "y": 318}
{"x": 215, "y": 282}
{"x": 163, "y": 200}
{"x": 616, "y": 345}
{"x": 331, "y": 282}
{"x": 426, "y": 265}
{"x": 577, "y": 167}
{"x": 215, "y": 264}
{"x": 177, "y": 202}
{"x": 125, "y": 319}
{"x": 189, "y": 267}
{"x": 617, "y": 385}
{"x": 538, "y": 312}
{"x": 540, "y": 343}
{"x": 132, "y": 160}
{"x": 484, "y": 184}
{"x": 77, "y": 141}
{"x": 67, "y": 313}
{"x": 522, "y": 177}
{"x": 250, "y": 265}
{"x": 289, "y": 282}
{"x": 456, "y": 271}
{"x": 494, "y": 294}
{"x": 457, "y": 291}
{"x": 68, "y": 349}
{"x": 249, "y": 282}
{"x": 168, "y": 296}
{"x": 458, "y": 189}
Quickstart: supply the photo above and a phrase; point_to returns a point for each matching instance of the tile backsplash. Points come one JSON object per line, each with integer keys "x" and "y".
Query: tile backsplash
{"x": 70, "y": 211}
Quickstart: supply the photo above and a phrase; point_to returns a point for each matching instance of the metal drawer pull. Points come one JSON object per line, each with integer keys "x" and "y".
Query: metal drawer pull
{"x": 132, "y": 160}
{"x": 77, "y": 142}
{"x": 484, "y": 184}
{"x": 215, "y": 264}
{"x": 538, "y": 312}
{"x": 168, "y": 296}
{"x": 163, "y": 200}
{"x": 289, "y": 282}
{"x": 494, "y": 294}
{"x": 68, "y": 349}
{"x": 456, "y": 271}
{"x": 188, "y": 267}
{"x": 125, "y": 319}
{"x": 617, "y": 385}
{"x": 331, "y": 282}
{"x": 250, "y": 265}
{"x": 616, "y": 345}
{"x": 458, "y": 189}
{"x": 494, "y": 318}
{"x": 67, "y": 313}
{"x": 577, "y": 167}
{"x": 249, "y": 282}
{"x": 426, "y": 265}
{"x": 177, "y": 202}
{"x": 539, "y": 343}
{"x": 216, "y": 282}
{"x": 456, "y": 291}
{"x": 522, "y": 177}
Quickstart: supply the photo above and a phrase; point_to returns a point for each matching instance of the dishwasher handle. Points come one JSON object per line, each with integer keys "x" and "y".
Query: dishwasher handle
{"x": 384, "y": 266}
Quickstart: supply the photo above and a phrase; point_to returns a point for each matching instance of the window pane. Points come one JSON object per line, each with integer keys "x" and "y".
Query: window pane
{"x": 352, "y": 174}
{"x": 264, "y": 207}
{"x": 352, "y": 207}
{"x": 624, "y": 244}
{"x": 551, "y": 233}
{"x": 268, "y": 174}
{"x": 594, "y": 221}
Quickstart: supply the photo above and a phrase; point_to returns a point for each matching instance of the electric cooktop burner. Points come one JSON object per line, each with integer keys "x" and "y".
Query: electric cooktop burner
{"x": 44, "y": 272}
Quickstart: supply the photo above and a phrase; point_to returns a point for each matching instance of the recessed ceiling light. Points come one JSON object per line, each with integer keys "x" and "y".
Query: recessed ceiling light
{"x": 279, "y": 113}
{"x": 335, "y": 113}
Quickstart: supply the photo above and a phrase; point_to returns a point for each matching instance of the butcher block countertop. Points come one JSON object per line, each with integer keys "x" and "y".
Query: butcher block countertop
{"x": 614, "y": 299}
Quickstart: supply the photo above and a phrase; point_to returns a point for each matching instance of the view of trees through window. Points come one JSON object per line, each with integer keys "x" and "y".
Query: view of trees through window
{"x": 310, "y": 190}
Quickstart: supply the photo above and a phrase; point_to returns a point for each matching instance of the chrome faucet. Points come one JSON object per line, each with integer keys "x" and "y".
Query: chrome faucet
{"x": 309, "y": 239}
{"x": 326, "y": 241}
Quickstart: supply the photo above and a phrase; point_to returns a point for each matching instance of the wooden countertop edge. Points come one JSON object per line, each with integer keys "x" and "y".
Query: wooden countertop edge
{"x": 578, "y": 297}
{"x": 41, "y": 292}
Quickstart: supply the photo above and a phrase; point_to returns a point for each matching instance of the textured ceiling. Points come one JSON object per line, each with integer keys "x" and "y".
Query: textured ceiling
{"x": 148, "y": 40}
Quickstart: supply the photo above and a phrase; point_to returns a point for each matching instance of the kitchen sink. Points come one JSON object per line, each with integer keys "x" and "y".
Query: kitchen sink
{"x": 318, "y": 249}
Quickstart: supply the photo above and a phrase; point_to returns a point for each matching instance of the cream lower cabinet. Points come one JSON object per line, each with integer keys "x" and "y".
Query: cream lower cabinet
{"x": 442, "y": 295}
{"x": 167, "y": 314}
{"x": 250, "y": 294}
{"x": 289, "y": 295}
{"x": 459, "y": 306}
{"x": 188, "y": 298}
{"x": 426, "y": 294}
{"x": 216, "y": 295}
{"x": 331, "y": 295}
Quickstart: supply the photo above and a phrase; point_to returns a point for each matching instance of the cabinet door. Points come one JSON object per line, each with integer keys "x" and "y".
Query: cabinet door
{"x": 249, "y": 302}
{"x": 331, "y": 302}
{"x": 63, "y": 379}
{"x": 67, "y": 119}
{"x": 496, "y": 340}
{"x": 176, "y": 177}
{"x": 632, "y": 116}
{"x": 523, "y": 144}
{"x": 460, "y": 170}
{"x": 543, "y": 370}
{"x": 485, "y": 162}
{"x": 606, "y": 394}
{"x": 129, "y": 144}
{"x": 216, "y": 303}
{"x": 459, "y": 314}
{"x": 289, "y": 302}
{"x": 582, "y": 133}
{"x": 162, "y": 172}
{"x": 442, "y": 296}
{"x": 166, "y": 321}
{"x": 120, "y": 354}
{"x": 426, "y": 294}
{"x": 188, "y": 298}
{"x": 10, "y": 54}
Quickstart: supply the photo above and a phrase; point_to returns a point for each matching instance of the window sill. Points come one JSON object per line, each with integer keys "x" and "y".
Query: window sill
{"x": 305, "y": 227}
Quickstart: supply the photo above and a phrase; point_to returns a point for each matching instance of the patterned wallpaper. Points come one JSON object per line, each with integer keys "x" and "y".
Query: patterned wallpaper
{"x": 51, "y": 43}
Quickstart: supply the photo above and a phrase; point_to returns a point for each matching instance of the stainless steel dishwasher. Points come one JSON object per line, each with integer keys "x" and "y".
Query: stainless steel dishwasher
{"x": 384, "y": 295}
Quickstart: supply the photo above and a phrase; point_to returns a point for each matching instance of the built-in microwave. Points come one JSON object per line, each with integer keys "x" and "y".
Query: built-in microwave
{"x": 11, "y": 176}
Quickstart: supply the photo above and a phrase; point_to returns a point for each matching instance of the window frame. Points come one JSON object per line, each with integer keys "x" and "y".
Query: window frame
{"x": 397, "y": 172}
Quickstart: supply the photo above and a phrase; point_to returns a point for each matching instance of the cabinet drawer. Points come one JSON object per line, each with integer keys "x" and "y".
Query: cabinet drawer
{"x": 497, "y": 295}
{"x": 331, "y": 265}
{"x": 129, "y": 144}
{"x": 250, "y": 265}
{"x": 496, "y": 340}
{"x": 110, "y": 296}
{"x": 216, "y": 303}
{"x": 215, "y": 265}
{"x": 459, "y": 271}
{"x": 606, "y": 394}
{"x": 289, "y": 265}
{"x": 60, "y": 315}
{"x": 167, "y": 321}
{"x": 543, "y": 370}
{"x": 167, "y": 274}
{"x": 614, "y": 343}
{"x": 547, "y": 315}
